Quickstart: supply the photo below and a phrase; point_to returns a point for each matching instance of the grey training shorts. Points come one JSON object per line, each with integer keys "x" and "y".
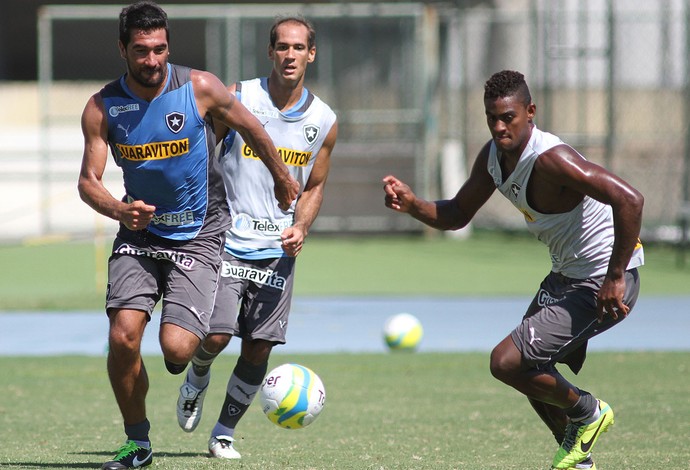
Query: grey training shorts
{"x": 563, "y": 317}
{"x": 254, "y": 297}
{"x": 184, "y": 274}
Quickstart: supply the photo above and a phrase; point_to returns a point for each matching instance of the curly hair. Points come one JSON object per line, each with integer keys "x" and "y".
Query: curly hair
{"x": 507, "y": 83}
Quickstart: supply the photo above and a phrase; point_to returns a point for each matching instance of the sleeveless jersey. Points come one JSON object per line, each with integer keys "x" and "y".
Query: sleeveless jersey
{"x": 580, "y": 241}
{"x": 298, "y": 135}
{"x": 165, "y": 149}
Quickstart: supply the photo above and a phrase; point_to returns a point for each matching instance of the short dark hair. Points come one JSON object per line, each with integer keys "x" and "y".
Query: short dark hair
{"x": 507, "y": 83}
{"x": 273, "y": 35}
{"x": 144, "y": 15}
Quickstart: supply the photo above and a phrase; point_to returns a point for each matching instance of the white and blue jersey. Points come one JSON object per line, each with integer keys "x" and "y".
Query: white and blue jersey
{"x": 165, "y": 149}
{"x": 580, "y": 241}
{"x": 298, "y": 135}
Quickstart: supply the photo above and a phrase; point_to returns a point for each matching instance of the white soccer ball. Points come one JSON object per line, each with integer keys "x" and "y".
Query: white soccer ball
{"x": 292, "y": 396}
{"x": 403, "y": 332}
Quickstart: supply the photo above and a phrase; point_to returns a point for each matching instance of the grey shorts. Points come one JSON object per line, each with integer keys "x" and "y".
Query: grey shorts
{"x": 254, "y": 297}
{"x": 183, "y": 274}
{"x": 563, "y": 317}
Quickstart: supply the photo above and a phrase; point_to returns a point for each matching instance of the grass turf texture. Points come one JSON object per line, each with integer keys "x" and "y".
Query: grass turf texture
{"x": 383, "y": 411}
{"x": 71, "y": 276}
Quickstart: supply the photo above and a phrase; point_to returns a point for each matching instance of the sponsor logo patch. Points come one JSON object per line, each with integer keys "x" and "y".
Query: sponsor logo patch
{"x": 154, "y": 150}
{"x": 173, "y": 219}
{"x": 545, "y": 298}
{"x": 181, "y": 259}
{"x": 262, "y": 277}
{"x": 290, "y": 157}
{"x": 270, "y": 113}
{"x": 114, "y": 111}
{"x": 245, "y": 223}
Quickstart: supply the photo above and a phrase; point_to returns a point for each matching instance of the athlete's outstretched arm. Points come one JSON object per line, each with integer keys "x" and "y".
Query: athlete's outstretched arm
{"x": 135, "y": 215}
{"x": 309, "y": 202}
{"x": 214, "y": 98}
{"x": 445, "y": 214}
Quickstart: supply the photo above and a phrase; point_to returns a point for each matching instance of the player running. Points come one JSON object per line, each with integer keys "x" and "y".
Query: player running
{"x": 590, "y": 220}
{"x": 254, "y": 297}
{"x": 157, "y": 121}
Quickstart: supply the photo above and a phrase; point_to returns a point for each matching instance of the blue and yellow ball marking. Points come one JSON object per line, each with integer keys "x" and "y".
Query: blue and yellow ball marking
{"x": 295, "y": 404}
{"x": 403, "y": 332}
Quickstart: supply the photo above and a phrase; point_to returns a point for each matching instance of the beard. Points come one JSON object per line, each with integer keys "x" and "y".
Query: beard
{"x": 148, "y": 77}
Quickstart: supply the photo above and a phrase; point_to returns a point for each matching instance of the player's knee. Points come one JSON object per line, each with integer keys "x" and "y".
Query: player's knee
{"x": 495, "y": 367}
{"x": 126, "y": 331}
{"x": 215, "y": 343}
{"x": 176, "y": 356}
{"x": 177, "y": 344}
{"x": 173, "y": 368}
{"x": 257, "y": 352}
{"x": 502, "y": 366}
{"x": 121, "y": 341}
{"x": 506, "y": 361}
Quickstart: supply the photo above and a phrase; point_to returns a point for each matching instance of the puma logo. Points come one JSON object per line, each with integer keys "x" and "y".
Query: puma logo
{"x": 532, "y": 335}
{"x": 120, "y": 126}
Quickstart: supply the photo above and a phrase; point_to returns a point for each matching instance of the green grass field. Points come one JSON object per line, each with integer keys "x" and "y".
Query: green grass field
{"x": 69, "y": 276}
{"x": 383, "y": 411}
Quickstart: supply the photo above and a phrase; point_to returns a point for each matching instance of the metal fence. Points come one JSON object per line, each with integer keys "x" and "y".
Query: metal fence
{"x": 406, "y": 80}
{"x": 609, "y": 77}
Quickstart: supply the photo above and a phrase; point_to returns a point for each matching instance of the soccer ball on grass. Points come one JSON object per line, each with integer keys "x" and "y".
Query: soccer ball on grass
{"x": 292, "y": 396}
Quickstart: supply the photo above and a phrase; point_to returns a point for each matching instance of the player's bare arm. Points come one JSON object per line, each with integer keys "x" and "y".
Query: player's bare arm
{"x": 220, "y": 129}
{"x": 135, "y": 215}
{"x": 213, "y": 97}
{"x": 564, "y": 167}
{"x": 309, "y": 202}
{"x": 446, "y": 214}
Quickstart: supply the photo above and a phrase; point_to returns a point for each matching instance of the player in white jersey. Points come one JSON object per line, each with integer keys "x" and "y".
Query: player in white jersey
{"x": 253, "y": 300}
{"x": 589, "y": 218}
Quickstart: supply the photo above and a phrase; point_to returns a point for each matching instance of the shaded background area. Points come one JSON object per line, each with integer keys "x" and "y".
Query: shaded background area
{"x": 406, "y": 82}
{"x": 19, "y": 46}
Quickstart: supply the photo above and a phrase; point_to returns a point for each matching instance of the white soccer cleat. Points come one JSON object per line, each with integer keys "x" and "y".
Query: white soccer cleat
{"x": 189, "y": 405}
{"x": 221, "y": 447}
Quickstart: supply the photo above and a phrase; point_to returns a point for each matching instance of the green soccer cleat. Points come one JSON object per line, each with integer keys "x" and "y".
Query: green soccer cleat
{"x": 580, "y": 438}
{"x": 586, "y": 464}
{"x": 130, "y": 455}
